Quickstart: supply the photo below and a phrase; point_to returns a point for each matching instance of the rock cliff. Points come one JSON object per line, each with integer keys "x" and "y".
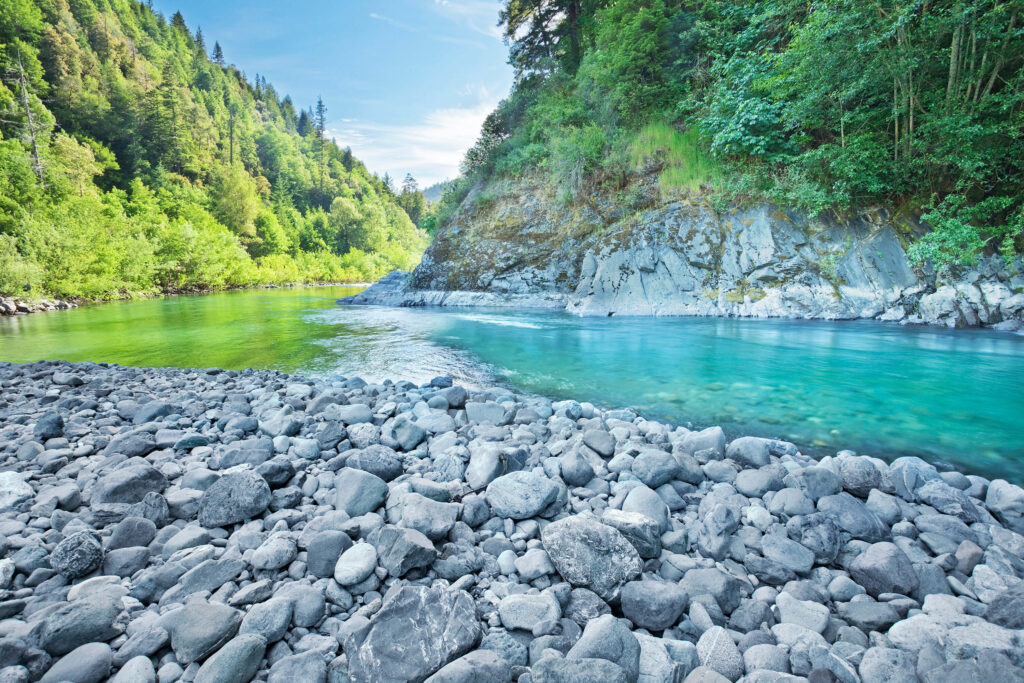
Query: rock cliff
{"x": 682, "y": 257}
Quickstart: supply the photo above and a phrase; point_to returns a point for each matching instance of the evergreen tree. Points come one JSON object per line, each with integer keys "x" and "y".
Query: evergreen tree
{"x": 131, "y": 163}
{"x": 320, "y": 128}
{"x": 178, "y": 22}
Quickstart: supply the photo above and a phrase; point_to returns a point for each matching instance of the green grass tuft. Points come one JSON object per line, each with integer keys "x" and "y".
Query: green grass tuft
{"x": 687, "y": 165}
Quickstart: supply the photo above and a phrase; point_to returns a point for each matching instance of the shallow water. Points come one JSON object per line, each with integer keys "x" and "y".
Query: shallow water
{"x": 953, "y": 397}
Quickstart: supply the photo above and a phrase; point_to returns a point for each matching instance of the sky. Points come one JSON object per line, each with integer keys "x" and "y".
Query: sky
{"x": 407, "y": 83}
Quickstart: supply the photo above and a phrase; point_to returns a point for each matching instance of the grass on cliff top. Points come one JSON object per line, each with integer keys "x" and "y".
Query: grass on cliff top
{"x": 687, "y": 165}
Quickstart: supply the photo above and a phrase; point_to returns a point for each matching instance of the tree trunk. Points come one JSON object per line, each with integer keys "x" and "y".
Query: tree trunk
{"x": 954, "y": 63}
{"x": 36, "y": 161}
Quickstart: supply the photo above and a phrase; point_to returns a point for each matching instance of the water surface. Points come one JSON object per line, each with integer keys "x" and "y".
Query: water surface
{"x": 952, "y": 397}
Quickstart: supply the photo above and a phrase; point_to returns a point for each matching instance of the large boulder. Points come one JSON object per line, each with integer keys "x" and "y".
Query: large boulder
{"x": 128, "y": 484}
{"x": 77, "y": 555}
{"x": 653, "y": 605}
{"x": 884, "y": 568}
{"x": 358, "y": 492}
{"x": 591, "y": 554}
{"x": 376, "y": 459}
{"x": 234, "y": 498}
{"x": 201, "y": 628}
{"x": 609, "y": 638}
{"x": 91, "y": 618}
{"x": 417, "y": 631}
{"x": 14, "y": 491}
{"x": 521, "y": 495}
{"x": 401, "y": 550}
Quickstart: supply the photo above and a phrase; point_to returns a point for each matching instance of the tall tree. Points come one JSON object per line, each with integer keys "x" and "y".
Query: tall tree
{"x": 320, "y": 127}
{"x": 218, "y": 54}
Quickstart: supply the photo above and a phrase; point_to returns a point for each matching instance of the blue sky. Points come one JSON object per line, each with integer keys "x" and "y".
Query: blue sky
{"x": 407, "y": 83}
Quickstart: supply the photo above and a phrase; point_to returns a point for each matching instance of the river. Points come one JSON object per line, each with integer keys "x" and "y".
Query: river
{"x": 952, "y": 397}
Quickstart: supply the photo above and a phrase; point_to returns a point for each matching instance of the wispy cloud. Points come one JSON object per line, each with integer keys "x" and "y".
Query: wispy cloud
{"x": 408, "y": 28}
{"x": 480, "y": 16}
{"x": 431, "y": 149}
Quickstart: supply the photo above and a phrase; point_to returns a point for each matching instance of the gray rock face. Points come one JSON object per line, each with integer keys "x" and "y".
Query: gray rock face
{"x": 590, "y": 554}
{"x": 77, "y": 555}
{"x": 521, "y": 495}
{"x": 416, "y": 632}
{"x": 234, "y": 498}
{"x": 680, "y": 258}
{"x": 884, "y": 568}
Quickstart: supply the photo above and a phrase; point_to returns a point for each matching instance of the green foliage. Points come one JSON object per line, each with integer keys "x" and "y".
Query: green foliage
{"x": 576, "y": 156}
{"x": 685, "y": 163}
{"x": 816, "y": 106}
{"x": 159, "y": 169}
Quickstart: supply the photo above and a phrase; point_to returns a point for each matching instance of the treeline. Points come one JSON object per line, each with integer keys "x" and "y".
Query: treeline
{"x": 134, "y": 159}
{"x": 815, "y": 105}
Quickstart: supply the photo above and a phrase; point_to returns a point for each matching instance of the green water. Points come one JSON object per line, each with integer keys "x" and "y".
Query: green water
{"x": 953, "y": 397}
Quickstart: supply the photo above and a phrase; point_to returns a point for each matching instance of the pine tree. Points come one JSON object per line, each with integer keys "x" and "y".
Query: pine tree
{"x": 178, "y": 22}
{"x": 320, "y": 126}
{"x": 305, "y": 126}
{"x": 409, "y": 184}
{"x": 218, "y": 54}
{"x": 200, "y": 40}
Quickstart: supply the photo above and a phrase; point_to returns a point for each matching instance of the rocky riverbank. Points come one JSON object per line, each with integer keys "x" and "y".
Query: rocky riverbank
{"x": 207, "y": 525}
{"x": 20, "y": 307}
{"x": 517, "y": 246}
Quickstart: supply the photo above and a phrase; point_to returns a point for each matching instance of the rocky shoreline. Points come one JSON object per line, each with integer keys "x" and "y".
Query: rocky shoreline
{"x": 685, "y": 258}
{"x": 10, "y": 306}
{"x": 21, "y": 307}
{"x": 208, "y": 525}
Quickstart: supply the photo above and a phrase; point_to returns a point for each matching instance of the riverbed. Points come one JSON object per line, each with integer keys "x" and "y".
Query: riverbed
{"x": 952, "y": 397}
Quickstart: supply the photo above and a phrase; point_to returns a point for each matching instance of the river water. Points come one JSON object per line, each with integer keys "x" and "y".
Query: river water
{"x": 952, "y": 397}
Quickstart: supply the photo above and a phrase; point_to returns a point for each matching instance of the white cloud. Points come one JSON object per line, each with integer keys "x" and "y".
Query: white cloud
{"x": 431, "y": 149}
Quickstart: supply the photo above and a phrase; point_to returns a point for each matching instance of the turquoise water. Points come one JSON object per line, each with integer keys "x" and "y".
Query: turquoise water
{"x": 953, "y": 397}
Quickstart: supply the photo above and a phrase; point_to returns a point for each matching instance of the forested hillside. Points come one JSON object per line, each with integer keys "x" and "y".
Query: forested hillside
{"x": 134, "y": 159}
{"x": 917, "y": 107}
